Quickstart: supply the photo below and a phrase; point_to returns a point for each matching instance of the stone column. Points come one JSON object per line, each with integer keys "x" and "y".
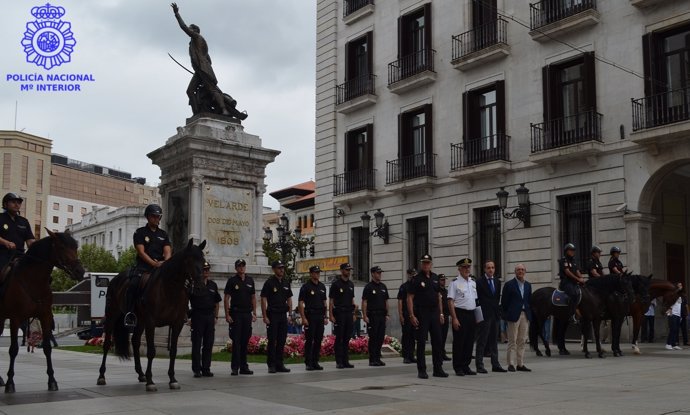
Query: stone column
{"x": 638, "y": 231}
{"x": 195, "y": 209}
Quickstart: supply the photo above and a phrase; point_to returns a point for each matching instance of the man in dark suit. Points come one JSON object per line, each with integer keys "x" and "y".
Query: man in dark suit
{"x": 516, "y": 311}
{"x": 489, "y": 294}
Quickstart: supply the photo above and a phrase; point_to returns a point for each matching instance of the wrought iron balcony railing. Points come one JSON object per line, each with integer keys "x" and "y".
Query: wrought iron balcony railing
{"x": 561, "y": 132}
{"x": 354, "y": 88}
{"x": 354, "y": 181}
{"x": 412, "y": 64}
{"x": 480, "y": 37}
{"x": 410, "y": 167}
{"x": 351, "y": 6}
{"x": 661, "y": 109}
{"x": 545, "y": 12}
{"x": 479, "y": 151}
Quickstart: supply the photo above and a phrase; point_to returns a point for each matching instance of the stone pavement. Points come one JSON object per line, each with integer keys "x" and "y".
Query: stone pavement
{"x": 658, "y": 382}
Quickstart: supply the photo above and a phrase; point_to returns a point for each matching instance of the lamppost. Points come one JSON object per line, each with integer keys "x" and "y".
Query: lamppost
{"x": 289, "y": 241}
{"x": 381, "y": 229}
{"x": 522, "y": 212}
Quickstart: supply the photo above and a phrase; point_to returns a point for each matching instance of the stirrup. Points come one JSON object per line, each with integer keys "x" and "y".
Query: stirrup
{"x": 130, "y": 320}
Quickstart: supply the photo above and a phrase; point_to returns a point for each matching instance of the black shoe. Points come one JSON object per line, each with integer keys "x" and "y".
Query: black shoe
{"x": 470, "y": 372}
{"x": 197, "y": 374}
{"x": 309, "y": 368}
{"x": 234, "y": 372}
{"x": 282, "y": 369}
{"x": 405, "y": 361}
{"x": 511, "y": 368}
{"x": 481, "y": 370}
{"x": 381, "y": 363}
{"x": 318, "y": 367}
{"x": 422, "y": 375}
{"x": 271, "y": 370}
{"x": 413, "y": 360}
{"x": 563, "y": 352}
{"x": 498, "y": 369}
{"x": 523, "y": 369}
{"x": 459, "y": 373}
{"x": 348, "y": 365}
{"x": 130, "y": 320}
{"x": 246, "y": 371}
{"x": 208, "y": 374}
{"x": 374, "y": 364}
{"x": 340, "y": 366}
{"x": 439, "y": 373}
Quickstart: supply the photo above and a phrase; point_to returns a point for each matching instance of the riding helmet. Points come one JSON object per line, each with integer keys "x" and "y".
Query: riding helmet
{"x": 568, "y": 247}
{"x": 153, "y": 209}
{"x": 595, "y": 248}
{"x": 615, "y": 249}
{"x": 10, "y": 196}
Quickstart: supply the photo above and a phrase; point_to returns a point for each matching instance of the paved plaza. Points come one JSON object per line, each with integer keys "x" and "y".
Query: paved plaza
{"x": 654, "y": 383}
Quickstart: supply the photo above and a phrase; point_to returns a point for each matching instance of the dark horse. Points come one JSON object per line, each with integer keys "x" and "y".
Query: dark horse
{"x": 592, "y": 307}
{"x": 666, "y": 290}
{"x": 164, "y": 303}
{"x": 26, "y": 293}
{"x": 618, "y": 307}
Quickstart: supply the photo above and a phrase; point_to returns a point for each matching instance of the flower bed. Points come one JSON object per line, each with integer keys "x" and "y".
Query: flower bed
{"x": 294, "y": 346}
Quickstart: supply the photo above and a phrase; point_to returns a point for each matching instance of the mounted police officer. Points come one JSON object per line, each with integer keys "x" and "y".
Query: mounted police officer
{"x": 153, "y": 248}
{"x": 569, "y": 272}
{"x": 615, "y": 265}
{"x": 15, "y": 230}
{"x": 205, "y": 305}
{"x": 594, "y": 268}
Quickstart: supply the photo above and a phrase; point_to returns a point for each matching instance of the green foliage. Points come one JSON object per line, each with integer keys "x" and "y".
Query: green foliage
{"x": 97, "y": 259}
{"x": 127, "y": 259}
{"x": 61, "y": 281}
{"x": 288, "y": 252}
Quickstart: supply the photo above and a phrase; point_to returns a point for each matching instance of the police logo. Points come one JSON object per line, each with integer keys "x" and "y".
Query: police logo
{"x": 146, "y": 239}
{"x": 312, "y": 292}
{"x": 423, "y": 285}
{"x": 237, "y": 287}
{"x": 373, "y": 291}
{"x": 48, "y": 41}
{"x": 5, "y": 227}
{"x": 275, "y": 290}
{"x": 341, "y": 290}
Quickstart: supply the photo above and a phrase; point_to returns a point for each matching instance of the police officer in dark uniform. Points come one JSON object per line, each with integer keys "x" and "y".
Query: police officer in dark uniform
{"x": 375, "y": 312}
{"x": 569, "y": 272}
{"x": 276, "y": 303}
{"x": 615, "y": 265}
{"x": 426, "y": 316}
{"x": 153, "y": 248}
{"x": 205, "y": 304}
{"x": 341, "y": 310}
{"x": 312, "y": 310}
{"x": 407, "y": 340}
{"x": 15, "y": 230}
{"x": 240, "y": 312}
{"x": 446, "y": 314}
{"x": 594, "y": 268}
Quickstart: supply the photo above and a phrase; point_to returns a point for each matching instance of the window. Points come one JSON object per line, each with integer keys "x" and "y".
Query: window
{"x": 110, "y": 238}
{"x": 39, "y": 207}
{"x": 417, "y": 240}
{"x": 39, "y": 175}
{"x": 56, "y": 219}
{"x": 360, "y": 253}
{"x": 37, "y": 230}
{"x": 359, "y": 149}
{"x": 70, "y": 221}
{"x": 484, "y": 23}
{"x": 358, "y": 57}
{"x": 488, "y": 242}
{"x": 414, "y": 34}
{"x": 119, "y": 235}
{"x": 56, "y": 206}
{"x": 25, "y": 170}
{"x": 70, "y": 208}
{"x": 575, "y": 214}
{"x": 83, "y": 211}
{"x": 6, "y": 170}
{"x": 484, "y": 124}
{"x": 415, "y": 145}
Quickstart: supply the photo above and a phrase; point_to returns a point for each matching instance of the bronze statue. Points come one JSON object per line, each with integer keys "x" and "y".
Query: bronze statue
{"x": 203, "y": 91}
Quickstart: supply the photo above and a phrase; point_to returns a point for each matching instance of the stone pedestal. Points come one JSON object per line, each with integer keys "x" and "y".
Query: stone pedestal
{"x": 212, "y": 186}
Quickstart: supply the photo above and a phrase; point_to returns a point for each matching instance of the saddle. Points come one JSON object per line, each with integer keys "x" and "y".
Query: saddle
{"x": 560, "y": 298}
{"x": 5, "y": 272}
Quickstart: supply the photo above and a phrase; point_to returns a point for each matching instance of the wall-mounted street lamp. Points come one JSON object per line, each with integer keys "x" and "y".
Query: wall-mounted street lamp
{"x": 381, "y": 229}
{"x": 522, "y": 212}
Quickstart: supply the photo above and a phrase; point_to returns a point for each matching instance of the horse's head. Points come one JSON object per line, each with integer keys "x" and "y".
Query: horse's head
{"x": 194, "y": 262}
{"x": 626, "y": 286}
{"x": 64, "y": 254}
{"x": 640, "y": 285}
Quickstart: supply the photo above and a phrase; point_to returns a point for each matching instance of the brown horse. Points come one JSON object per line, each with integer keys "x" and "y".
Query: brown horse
{"x": 164, "y": 303}
{"x": 27, "y": 294}
{"x": 666, "y": 290}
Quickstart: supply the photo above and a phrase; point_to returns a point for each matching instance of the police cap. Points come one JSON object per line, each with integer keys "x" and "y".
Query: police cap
{"x": 277, "y": 264}
{"x": 465, "y": 262}
{"x": 376, "y": 269}
{"x": 315, "y": 268}
{"x": 346, "y": 266}
{"x": 426, "y": 258}
{"x": 240, "y": 263}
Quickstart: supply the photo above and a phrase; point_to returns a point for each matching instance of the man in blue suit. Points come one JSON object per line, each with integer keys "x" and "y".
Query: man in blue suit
{"x": 516, "y": 311}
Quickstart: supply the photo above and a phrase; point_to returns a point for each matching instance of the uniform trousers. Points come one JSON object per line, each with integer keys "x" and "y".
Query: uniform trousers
{"x": 463, "y": 339}
{"x": 313, "y": 335}
{"x": 429, "y": 324}
{"x": 408, "y": 339}
{"x": 517, "y": 336}
{"x": 203, "y": 334}
{"x": 276, "y": 332}
{"x": 377, "y": 331}
{"x": 444, "y": 333}
{"x": 343, "y": 333}
{"x": 240, "y": 332}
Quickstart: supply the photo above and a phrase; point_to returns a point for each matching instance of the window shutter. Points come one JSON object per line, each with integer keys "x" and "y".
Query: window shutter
{"x": 590, "y": 82}
{"x": 652, "y": 83}
{"x": 401, "y": 34}
{"x": 370, "y": 52}
{"x": 427, "y": 27}
{"x": 501, "y": 107}
{"x": 348, "y": 61}
{"x": 465, "y": 117}
{"x": 370, "y": 147}
{"x": 401, "y": 135}
{"x": 546, "y": 92}
{"x": 428, "y": 130}
{"x": 348, "y": 148}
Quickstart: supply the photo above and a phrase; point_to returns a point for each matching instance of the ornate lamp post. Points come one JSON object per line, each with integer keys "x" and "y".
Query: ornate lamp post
{"x": 522, "y": 212}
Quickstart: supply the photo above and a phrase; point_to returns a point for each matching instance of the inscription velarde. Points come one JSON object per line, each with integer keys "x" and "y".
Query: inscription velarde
{"x": 227, "y": 219}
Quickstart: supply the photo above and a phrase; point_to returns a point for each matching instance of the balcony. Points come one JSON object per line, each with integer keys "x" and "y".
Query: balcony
{"x": 411, "y": 71}
{"x": 480, "y": 45}
{"x": 355, "y": 94}
{"x": 480, "y": 157}
{"x": 555, "y": 17}
{"x": 354, "y": 10}
{"x": 353, "y": 186}
{"x": 646, "y": 3}
{"x": 411, "y": 172}
{"x": 567, "y": 137}
{"x": 661, "y": 117}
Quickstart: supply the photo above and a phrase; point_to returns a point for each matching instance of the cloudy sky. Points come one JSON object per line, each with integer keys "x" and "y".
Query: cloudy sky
{"x": 263, "y": 54}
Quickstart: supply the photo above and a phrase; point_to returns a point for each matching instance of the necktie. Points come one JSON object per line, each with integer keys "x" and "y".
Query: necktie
{"x": 491, "y": 285}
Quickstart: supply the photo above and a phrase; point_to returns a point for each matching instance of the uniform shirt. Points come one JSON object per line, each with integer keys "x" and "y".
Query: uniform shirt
{"x": 15, "y": 230}
{"x": 651, "y": 309}
{"x": 444, "y": 301}
{"x": 313, "y": 296}
{"x": 376, "y": 295}
{"x": 594, "y": 264}
{"x": 425, "y": 290}
{"x": 567, "y": 263}
{"x": 342, "y": 293}
{"x": 463, "y": 293}
{"x": 276, "y": 293}
{"x": 153, "y": 241}
{"x": 205, "y": 298}
{"x": 402, "y": 295}
{"x": 615, "y": 263}
{"x": 241, "y": 293}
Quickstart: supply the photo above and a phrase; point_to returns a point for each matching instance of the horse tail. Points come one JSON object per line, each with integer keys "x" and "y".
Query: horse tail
{"x": 121, "y": 337}
{"x": 114, "y": 296}
{"x": 534, "y": 331}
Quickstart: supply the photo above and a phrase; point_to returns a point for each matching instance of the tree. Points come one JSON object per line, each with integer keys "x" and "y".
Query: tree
{"x": 97, "y": 259}
{"x": 127, "y": 259}
{"x": 288, "y": 252}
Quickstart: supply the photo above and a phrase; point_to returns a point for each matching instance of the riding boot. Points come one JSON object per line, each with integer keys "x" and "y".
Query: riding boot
{"x": 130, "y": 317}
